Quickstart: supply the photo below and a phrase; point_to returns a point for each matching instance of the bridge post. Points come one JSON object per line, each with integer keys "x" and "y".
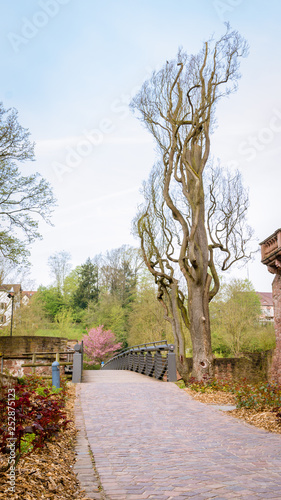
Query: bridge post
{"x": 77, "y": 364}
{"x": 172, "y": 368}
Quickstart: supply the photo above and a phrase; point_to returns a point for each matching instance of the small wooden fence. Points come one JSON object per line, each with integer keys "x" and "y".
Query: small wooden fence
{"x": 71, "y": 360}
{"x": 64, "y": 358}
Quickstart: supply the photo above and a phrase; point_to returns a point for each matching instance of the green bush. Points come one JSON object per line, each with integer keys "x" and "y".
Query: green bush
{"x": 31, "y": 413}
{"x": 259, "y": 397}
{"x": 253, "y": 396}
{"x": 211, "y": 384}
{"x": 90, "y": 367}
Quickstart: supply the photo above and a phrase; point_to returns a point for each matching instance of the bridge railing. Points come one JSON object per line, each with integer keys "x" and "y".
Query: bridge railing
{"x": 154, "y": 359}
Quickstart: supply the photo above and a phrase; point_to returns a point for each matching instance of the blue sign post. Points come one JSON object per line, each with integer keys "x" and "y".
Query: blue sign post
{"x": 56, "y": 374}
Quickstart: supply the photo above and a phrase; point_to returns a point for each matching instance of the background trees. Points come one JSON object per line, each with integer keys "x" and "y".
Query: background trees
{"x": 60, "y": 267}
{"x": 30, "y": 319}
{"x": 87, "y": 289}
{"x": 51, "y": 300}
{"x": 99, "y": 345}
{"x": 146, "y": 322}
{"x": 234, "y": 314}
{"x": 110, "y": 313}
{"x": 119, "y": 269}
{"x": 177, "y": 107}
{"x": 235, "y": 320}
{"x": 100, "y": 291}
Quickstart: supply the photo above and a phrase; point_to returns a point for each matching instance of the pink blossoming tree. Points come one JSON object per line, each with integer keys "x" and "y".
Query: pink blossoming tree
{"x": 99, "y": 345}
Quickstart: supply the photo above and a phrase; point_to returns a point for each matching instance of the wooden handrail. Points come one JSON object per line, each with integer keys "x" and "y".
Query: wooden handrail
{"x": 46, "y": 364}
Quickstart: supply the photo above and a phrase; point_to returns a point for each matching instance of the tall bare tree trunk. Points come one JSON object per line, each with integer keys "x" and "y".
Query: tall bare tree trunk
{"x": 200, "y": 331}
{"x": 198, "y": 288}
{"x": 182, "y": 366}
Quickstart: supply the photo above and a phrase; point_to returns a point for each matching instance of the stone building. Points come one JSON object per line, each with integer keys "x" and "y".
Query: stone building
{"x": 267, "y": 306}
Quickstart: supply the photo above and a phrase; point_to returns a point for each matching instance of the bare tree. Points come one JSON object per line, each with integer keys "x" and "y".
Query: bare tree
{"x": 60, "y": 267}
{"x": 12, "y": 273}
{"x": 177, "y": 106}
{"x": 119, "y": 272}
{"x": 227, "y": 204}
{"x": 159, "y": 244}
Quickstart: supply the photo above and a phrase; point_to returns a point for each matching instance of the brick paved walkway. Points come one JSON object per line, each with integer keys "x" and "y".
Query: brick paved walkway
{"x": 150, "y": 440}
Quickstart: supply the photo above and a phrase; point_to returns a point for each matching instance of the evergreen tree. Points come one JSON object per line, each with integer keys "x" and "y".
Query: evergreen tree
{"x": 87, "y": 290}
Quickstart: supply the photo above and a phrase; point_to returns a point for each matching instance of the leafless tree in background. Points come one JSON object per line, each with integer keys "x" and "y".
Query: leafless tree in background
{"x": 60, "y": 267}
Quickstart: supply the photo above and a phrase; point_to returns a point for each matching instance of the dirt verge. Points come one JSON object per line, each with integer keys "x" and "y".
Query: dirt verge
{"x": 265, "y": 419}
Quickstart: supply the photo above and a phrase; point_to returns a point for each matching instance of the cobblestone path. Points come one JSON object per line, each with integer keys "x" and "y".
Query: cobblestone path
{"x": 150, "y": 440}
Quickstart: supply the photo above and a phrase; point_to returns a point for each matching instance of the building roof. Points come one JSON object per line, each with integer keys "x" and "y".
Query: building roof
{"x": 265, "y": 298}
{"x": 8, "y": 287}
{"x": 28, "y": 293}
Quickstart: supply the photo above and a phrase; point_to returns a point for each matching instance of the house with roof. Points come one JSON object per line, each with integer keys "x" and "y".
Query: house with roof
{"x": 12, "y": 295}
{"x": 267, "y": 306}
{"x": 26, "y": 296}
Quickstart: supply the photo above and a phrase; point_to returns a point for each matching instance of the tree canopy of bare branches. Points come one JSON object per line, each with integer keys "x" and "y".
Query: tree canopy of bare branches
{"x": 177, "y": 105}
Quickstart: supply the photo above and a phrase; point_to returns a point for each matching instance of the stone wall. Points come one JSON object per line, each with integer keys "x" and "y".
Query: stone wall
{"x": 254, "y": 367}
{"x": 21, "y": 345}
{"x": 275, "y": 373}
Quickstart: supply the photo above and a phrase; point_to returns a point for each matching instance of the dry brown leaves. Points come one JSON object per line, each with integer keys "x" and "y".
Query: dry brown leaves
{"x": 212, "y": 397}
{"x": 265, "y": 419}
{"x": 48, "y": 473}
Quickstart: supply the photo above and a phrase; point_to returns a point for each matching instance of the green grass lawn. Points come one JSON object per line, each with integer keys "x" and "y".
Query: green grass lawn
{"x": 71, "y": 333}
{"x": 74, "y": 333}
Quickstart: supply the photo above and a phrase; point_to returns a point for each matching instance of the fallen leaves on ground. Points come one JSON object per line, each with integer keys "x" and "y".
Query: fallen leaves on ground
{"x": 212, "y": 397}
{"x": 265, "y": 419}
{"x": 48, "y": 472}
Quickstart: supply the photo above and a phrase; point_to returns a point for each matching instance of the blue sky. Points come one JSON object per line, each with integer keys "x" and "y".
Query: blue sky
{"x": 70, "y": 67}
